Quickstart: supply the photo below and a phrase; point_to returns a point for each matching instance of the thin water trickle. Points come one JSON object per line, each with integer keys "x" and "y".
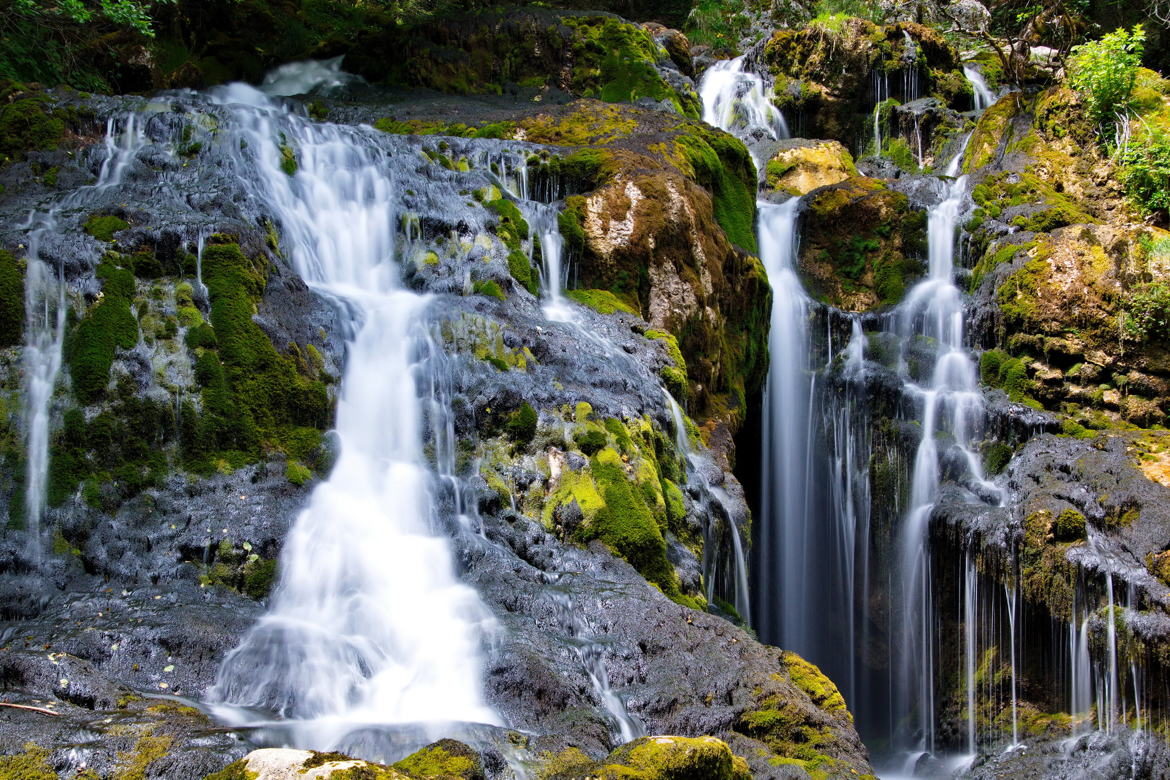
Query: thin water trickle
{"x": 983, "y": 96}
{"x": 368, "y": 625}
{"x": 45, "y": 316}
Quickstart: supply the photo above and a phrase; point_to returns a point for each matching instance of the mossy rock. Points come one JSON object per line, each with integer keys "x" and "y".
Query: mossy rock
{"x": 585, "y": 54}
{"x": 873, "y": 263}
{"x": 11, "y": 300}
{"x": 653, "y": 758}
{"x": 446, "y": 758}
{"x": 109, "y": 325}
{"x": 30, "y": 764}
{"x": 800, "y": 167}
{"x": 26, "y": 126}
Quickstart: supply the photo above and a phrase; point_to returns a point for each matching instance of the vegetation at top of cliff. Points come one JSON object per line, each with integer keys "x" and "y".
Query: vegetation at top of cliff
{"x": 1105, "y": 72}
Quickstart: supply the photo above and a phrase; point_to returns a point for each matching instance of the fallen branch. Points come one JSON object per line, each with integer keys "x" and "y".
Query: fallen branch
{"x": 30, "y": 708}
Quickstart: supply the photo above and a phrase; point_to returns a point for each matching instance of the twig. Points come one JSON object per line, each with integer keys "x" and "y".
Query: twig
{"x": 30, "y": 708}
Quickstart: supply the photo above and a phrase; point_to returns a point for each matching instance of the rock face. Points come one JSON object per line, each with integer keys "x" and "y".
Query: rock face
{"x": 873, "y": 263}
{"x": 830, "y": 75}
{"x": 800, "y": 166}
{"x": 584, "y": 520}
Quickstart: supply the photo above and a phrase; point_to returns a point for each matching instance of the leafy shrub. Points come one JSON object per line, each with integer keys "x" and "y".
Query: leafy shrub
{"x": 1105, "y": 72}
{"x": 1145, "y": 171}
{"x": 1147, "y": 313}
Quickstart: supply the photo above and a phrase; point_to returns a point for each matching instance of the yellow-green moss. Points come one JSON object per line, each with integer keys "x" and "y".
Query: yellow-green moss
{"x": 32, "y": 764}
{"x": 813, "y": 682}
{"x": 148, "y": 749}
{"x": 237, "y": 770}
{"x": 675, "y": 376}
{"x": 296, "y": 472}
{"x": 104, "y": 226}
{"x": 674, "y": 758}
{"x": 446, "y": 758}
{"x": 601, "y": 301}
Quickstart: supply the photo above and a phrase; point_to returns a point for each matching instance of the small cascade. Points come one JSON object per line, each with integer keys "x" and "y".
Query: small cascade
{"x": 911, "y": 79}
{"x": 881, "y": 93}
{"x": 1011, "y": 598}
{"x": 624, "y": 727}
{"x": 951, "y": 403}
{"x": 553, "y": 272}
{"x": 983, "y": 95}
{"x": 737, "y": 101}
{"x": 787, "y": 616}
{"x": 714, "y": 504}
{"x": 369, "y": 625}
{"x": 45, "y": 314}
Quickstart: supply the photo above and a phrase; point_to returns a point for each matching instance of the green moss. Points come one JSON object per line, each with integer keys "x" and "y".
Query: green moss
{"x": 32, "y": 764}
{"x": 813, "y": 682}
{"x": 521, "y": 424}
{"x": 297, "y": 473}
{"x": 1069, "y": 526}
{"x": 722, "y": 164}
{"x": 676, "y": 507}
{"x": 674, "y": 377}
{"x": 488, "y": 287}
{"x": 590, "y": 442}
{"x": 237, "y": 770}
{"x": 625, "y": 523}
{"x": 513, "y": 230}
{"x": 109, "y": 325}
{"x": 673, "y": 758}
{"x": 252, "y": 393}
{"x": 601, "y": 301}
{"x": 446, "y": 758}
{"x": 104, "y": 226}
{"x": 288, "y": 158}
{"x": 996, "y": 456}
{"x": 615, "y": 61}
{"x": 259, "y": 577}
{"x": 11, "y": 300}
{"x": 26, "y": 126}
{"x": 571, "y": 222}
{"x": 148, "y": 749}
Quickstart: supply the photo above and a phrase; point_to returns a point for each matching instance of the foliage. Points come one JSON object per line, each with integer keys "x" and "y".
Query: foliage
{"x": 718, "y": 23}
{"x": 1146, "y": 313}
{"x": 1105, "y": 72}
{"x": 131, "y": 14}
{"x": 1145, "y": 171}
{"x": 521, "y": 424}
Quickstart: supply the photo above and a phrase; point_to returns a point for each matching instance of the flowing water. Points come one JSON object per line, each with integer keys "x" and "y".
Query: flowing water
{"x": 369, "y": 624}
{"x": 736, "y": 100}
{"x": 983, "y": 95}
{"x": 45, "y": 310}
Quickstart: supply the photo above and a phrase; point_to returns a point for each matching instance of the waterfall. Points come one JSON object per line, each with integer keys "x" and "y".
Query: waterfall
{"x": 786, "y": 612}
{"x": 983, "y": 95}
{"x": 737, "y": 101}
{"x": 45, "y": 314}
{"x": 369, "y": 624}
{"x": 951, "y": 402}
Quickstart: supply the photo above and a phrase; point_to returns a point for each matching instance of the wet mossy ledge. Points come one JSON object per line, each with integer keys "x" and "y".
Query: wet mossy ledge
{"x": 581, "y": 53}
{"x": 220, "y": 395}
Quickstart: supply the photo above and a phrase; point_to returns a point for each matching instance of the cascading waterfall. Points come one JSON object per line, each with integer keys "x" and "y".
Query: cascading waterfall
{"x": 737, "y": 101}
{"x": 785, "y": 614}
{"x": 951, "y": 403}
{"x": 45, "y": 309}
{"x": 983, "y": 95}
{"x": 368, "y": 625}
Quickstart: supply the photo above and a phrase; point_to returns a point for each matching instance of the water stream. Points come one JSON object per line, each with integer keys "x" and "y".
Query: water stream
{"x": 340, "y": 651}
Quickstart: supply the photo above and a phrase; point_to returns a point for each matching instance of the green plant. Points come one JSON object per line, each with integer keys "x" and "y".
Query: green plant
{"x": 1145, "y": 171}
{"x": 133, "y": 14}
{"x": 1146, "y": 313}
{"x": 1105, "y": 72}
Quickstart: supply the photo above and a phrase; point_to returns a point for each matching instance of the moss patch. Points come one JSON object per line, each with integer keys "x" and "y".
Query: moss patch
{"x": 11, "y": 300}
{"x": 109, "y": 325}
{"x": 446, "y": 758}
{"x": 32, "y": 764}
{"x": 104, "y": 226}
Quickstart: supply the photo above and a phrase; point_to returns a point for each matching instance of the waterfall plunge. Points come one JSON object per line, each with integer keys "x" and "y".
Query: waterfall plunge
{"x": 369, "y": 624}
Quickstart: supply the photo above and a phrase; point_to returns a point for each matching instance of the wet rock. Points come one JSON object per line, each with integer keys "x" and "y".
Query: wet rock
{"x": 800, "y": 166}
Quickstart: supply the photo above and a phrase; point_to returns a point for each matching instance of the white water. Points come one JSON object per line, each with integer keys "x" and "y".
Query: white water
{"x": 369, "y": 624}
{"x": 786, "y": 617}
{"x": 984, "y": 97}
{"x": 951, "y": 402}
{"x": 45, "y": 309}
{"x": 737, "y": 101}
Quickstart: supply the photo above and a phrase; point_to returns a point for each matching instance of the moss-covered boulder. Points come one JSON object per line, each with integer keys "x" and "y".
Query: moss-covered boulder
{"x": 582, "y": 53}
{"x": 801, "y": 166}
{"x": 825, "y": 73}
{"x": 653, "y": 758}
{"x": 873, "y": 263}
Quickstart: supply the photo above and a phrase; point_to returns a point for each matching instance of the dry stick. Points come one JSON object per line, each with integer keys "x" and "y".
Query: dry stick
{"x": 30, "y": 708}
